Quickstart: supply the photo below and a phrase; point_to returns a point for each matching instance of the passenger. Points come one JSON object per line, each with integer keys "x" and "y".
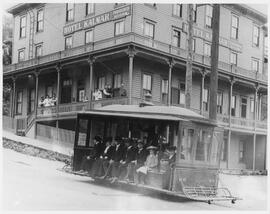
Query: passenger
{"x": 88, "y": 160}
{"x": 54, "y": 100}
{"x": 150, "y": 164}
{"x": 140, "y": 159}
{"x": 118, "y": 157}
{"x": 122, "y": 91}
{"x": 128, "y": 164}
{"x": 41, "y": 102}
{"x": 47, "y": 101}
{"x": 107, "y": 91}
{"x": 103, "y": 160}
{"x": 97, "y": 94}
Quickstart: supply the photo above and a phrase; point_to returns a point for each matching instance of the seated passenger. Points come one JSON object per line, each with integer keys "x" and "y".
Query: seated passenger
{"x": 150, "y": 164}
{"x": 88, "y": 160}
{"x": 54, "y": 100}
{"x": 97, "y": 94}
{"x": 122, "y": 91}
{"x": 128, "y": 164}
{"x": 107, "y": 91}
{"x": 118, "y": 157}
{"x": 140, "y": 159}
{"x": 104, "y": 158}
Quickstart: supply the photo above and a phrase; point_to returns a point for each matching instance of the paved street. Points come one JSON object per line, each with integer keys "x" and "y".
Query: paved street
{"x": 32, "y": 183}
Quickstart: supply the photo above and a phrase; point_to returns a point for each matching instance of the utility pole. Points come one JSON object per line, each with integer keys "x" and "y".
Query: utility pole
{"x": 189, "y": 57}
{"x": 214, "y": 63}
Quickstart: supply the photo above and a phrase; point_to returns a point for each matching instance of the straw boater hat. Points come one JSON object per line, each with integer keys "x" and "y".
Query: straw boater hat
{"x": 151, "y": 148}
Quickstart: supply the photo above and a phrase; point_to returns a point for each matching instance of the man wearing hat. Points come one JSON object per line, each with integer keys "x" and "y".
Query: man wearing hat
{"x": 140, "y": 158}
{"x": 88, "y": 160}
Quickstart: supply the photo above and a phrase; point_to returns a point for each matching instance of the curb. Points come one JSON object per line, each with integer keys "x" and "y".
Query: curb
{"x": 35, "y": 151}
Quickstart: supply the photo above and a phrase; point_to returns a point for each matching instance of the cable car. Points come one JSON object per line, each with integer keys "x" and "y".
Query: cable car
{"x": 198, "y": 143}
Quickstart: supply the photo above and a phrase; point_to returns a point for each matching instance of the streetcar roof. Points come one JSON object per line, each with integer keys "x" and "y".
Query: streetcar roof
{"x": 173, "y": 113}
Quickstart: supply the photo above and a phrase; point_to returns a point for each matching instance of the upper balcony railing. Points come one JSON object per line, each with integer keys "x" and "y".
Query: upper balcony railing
{"x": 140, "y": 40}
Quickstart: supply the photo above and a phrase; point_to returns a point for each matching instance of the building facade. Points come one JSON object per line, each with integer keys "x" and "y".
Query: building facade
{"x": 68, "y": 51}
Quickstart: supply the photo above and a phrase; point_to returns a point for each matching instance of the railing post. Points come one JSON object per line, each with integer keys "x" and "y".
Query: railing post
{"x": 14, "y": 96}
{"x": 171, "y": 64}
{"x": 58, "y": 70}
{"x": 256, "y": 87}
{"x": 131, "y": 53}
{"x": 90, "y": 61}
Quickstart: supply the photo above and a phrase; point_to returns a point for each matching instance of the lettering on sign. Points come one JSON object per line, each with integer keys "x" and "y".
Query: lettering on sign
{"x": 96, "y": 20}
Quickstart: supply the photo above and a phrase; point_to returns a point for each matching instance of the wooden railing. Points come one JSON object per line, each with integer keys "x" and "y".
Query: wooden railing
{"x": 109, "y": 101}
{"x": 46, "y": 111}
{"x": 140, "y": 40}
{"x": 261, "y": 124}
{"x": 71, "y": 107}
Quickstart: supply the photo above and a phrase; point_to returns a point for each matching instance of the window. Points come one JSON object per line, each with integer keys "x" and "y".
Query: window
{"x": 251, "y": 105}
{"x": 89, "y": 8}
{"x": 117, "y": 81}
{"x": 70, "y": 12}
{"x": 194, "y": 45}
{"x": 89, "y": 36}
{"x": 40, "y": 21}
{"x": 178, "y": 93}
{"x": 164, "y": 90}
{"x": 177, "y": 10}
{"x": 147, "y": 82}
{"x": 149, "y": 29}
{"x": 233, "y": 105}
{"x": 256, "y": 35}
{"x": 101, "y": 83}
{"x": 66, "y": 91}
{"x": 209, "y": 15}
{"x": 241, "y": 151}
{"x": 203, "y": 146}
{"x": 243, "y": 107}
{"x": 23, "y": 27}
{"x": 176, "y": 38}
{"x": 233, "y": 58}
{"x": 207, "y": 49}
{"x": 31, "y": 100}
{"x": 255, "y": 65}
{"x": 194, "y": 13}
{"x": 182, "y": 95}
{"x": 205, "y": 99}
{"x": 187, "y": 144}
{"x": 234, "y": 27}
{"x": 119, "y": 28}
{"x": 68, "y": 42}
{"x": 81, "y": 95}
{"x": 38, "y": 50}
{"x": 219, "y": 102}
{"x": 21, "y": 55}
{"x": 19, "y": 101}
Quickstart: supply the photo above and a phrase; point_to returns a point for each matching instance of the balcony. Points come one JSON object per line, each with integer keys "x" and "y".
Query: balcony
{"x": 138, "y": 40}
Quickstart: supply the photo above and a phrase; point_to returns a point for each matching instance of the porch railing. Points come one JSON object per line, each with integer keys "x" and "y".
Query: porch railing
{"x": 71, "y": 107}
{"x": 46, "y": 111}
{"x": 109, "y": 101}
{"x": 140, "y": 40}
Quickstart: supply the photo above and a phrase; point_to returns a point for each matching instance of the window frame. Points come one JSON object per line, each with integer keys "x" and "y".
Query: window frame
{"x": 151, "y": 82}
{"x": 206, "y": 102}
{"x": 149, "y": 22}
{"x": 236, "y": 58}
{"x": 23, "y": 27}
{"x": 115, "y": 85}
{"x": 258, "y": 65}
{"x": 40, "y": 45}
{"x": 235, "y": 27}
{"x": 233, "y": 105}
{"x": 241, "y": 151}
{"x": 40, "y": 21}
{"x": 87, "y": 9}
{"x": 67, "y": 37}
{"x": 174, "y": 10}
{"x": 220, "y": 105}
{"x": 243, "y": 104}
{"x": 257, "y": 44}
{"x": 178, "y": 45}
{"x": 68, "y": 12}
{"x": 21, "y": 51}
{"x": 85, "y": 36}
{"x": 19, "y": 102}
{"x": 194, "y": 13}
{"x": 204, "y": 49}
{"x": 208, "y": 16}
{"x": 115, "y": 27}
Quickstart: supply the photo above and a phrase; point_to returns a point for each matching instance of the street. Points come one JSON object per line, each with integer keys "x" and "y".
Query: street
{"x": 31, "y": 183}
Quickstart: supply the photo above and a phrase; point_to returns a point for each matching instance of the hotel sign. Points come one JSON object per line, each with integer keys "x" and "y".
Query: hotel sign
{"x": 97, "y": 20}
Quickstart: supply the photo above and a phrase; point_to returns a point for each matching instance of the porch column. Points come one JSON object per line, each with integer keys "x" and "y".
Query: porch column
{"x": 171, "y": 64}
{"x": 58, "y": 70}
{"x": 36, "y": 94}
{"x": 232, "y": 81}
{"x": 14, "y": 97}
{"x": 131, "y": 54}
{"x": 91, "y": 61}
{"x": 203, "y": 73}
{"x": 255, "y": 118}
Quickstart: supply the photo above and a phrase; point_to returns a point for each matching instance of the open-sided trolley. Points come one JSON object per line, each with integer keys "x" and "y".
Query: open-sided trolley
{"x": 198, "y": 142}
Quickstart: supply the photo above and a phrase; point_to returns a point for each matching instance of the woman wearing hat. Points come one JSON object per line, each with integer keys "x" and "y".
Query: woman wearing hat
{"x": 150, "y": 164}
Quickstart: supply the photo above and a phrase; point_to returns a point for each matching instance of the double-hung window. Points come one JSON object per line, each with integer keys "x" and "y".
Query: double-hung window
{"x": 164, "y": 90}
{"x": 256, "y": 35}
{"x": 207, "y": 49}
{"x": 209, "y": 15}
{"x": 234, "y": 27}
{"x": 177, "y": 10}
{"x": 233, "y": 58}
{"x": 69, "y": 12}
{"x": 21, "y": 55}
{"x": 147, "y": 82}
{"x": 23, "y": 27}
{"x": 176, "y": 38}
{"x": 243, "y": 107}
{"x": 233, "y": 105}
{"x": 39, "y": 50}
{"x": 205, "y": 99}
{"x": 194, "y": 13}
{"x": 119, "y": 27}
{"x": 19, "y": 102}
{"x": 40, "y": 21}
{"x": 68, "y": 42}
{"x": 89, "y": 36}
{"x": 219, "y": 102}
{"x": 255, "y": 65}
{"x": 149, "y": 29}
{"x": 89, "y": 8}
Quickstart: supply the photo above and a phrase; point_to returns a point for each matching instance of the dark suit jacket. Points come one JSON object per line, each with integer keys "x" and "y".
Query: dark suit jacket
{"x": 119, "y": 153}
{"x": 141, "y": 156}
{"x": 130, "y": 154}
{"x": 98, "y": 150}
{"x": 110, "y": 153}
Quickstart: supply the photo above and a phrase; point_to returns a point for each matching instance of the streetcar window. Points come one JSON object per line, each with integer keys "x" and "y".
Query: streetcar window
{"x": 82, "y": 132}
{"x": 187, "y": 143}
{"x": 216, "y": 147}
{"x": 203, "y": 145}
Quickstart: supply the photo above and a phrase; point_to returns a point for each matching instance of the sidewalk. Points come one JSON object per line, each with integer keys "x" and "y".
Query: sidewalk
{"x": 38, "y": 143}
